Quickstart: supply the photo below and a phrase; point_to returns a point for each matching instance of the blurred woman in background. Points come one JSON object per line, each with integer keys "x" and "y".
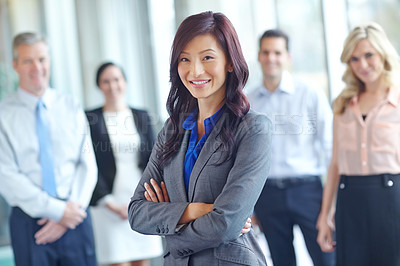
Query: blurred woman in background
{"x": 364, "y": 173}
{"x": 122, "y": 139}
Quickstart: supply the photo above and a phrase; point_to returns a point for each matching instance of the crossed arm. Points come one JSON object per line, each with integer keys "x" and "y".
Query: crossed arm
{"x": 232, "y": 201}
{"x": 194, "y": 210}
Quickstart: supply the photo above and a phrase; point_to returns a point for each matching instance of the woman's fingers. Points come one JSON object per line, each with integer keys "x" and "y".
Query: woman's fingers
{"x": 165, "y": 192}
{"x": 147, "y": 196}
{"x": 325, "y": 237}
{"x": 150, "y": 192}
{"x": 246, "y": 228}
{"x": 156, "y": 193}
{"x": 248, "y": 223}
{"x": 157, "y": 189}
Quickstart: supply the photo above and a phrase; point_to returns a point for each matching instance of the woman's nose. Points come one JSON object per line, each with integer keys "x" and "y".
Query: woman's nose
{"x": 196, "y": 68}
{"x": 363, "y": 63}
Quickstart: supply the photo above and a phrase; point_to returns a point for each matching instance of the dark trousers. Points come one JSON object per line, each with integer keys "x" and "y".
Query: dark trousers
{"x": 284, "y": 203}
{"x": 368, "y": 220}
{"x": 75, "y": 247}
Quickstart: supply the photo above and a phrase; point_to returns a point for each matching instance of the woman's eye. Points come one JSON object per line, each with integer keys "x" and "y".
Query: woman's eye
{"x": 354, "y": 59}
{"x": 208, "y": 57}
{"x": 367, "y": 55}
{"x": 183, "y": 59}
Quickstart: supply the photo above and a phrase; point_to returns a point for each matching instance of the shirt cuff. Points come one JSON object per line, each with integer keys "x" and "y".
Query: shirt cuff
{"x": 55, "y": 209}
{"x": 179, "y": 227}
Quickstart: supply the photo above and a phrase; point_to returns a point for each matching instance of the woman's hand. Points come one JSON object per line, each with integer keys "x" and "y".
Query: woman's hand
{"x": 325, "y": 233}
{"x": 154, "y": 193}
{"x": 193, "y": 211}
{"x": 246, "y": 227}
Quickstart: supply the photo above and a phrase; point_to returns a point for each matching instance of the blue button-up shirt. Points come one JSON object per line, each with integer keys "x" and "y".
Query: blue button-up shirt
{"x": 194, "y": 149}
{"x": 302, "y": 127}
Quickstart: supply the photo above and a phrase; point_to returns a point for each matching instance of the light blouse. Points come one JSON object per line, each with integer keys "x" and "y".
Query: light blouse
{"x": 371, "y": 146}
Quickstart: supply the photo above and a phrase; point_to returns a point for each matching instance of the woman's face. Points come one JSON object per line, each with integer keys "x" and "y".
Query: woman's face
{"x": 112, "y": 83}
{"x": 366, "y": 63}
{"x": 203, "y": 68}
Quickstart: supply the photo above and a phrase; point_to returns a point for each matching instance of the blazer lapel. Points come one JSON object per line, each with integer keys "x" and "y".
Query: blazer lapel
{"x": 176, "y": 170}
{"x": 107, "y": 158}
{"x": 210, "y": 147}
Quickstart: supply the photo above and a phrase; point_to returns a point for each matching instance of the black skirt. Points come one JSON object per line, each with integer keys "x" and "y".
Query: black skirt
{"x": 368, "y": 220}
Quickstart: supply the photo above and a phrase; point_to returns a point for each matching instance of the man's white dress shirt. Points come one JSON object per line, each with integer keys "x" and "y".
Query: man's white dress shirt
{"x": 73, "y": 156}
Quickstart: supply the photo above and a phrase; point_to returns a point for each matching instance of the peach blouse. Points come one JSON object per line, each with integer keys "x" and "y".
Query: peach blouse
{"x": 371, "y": 146}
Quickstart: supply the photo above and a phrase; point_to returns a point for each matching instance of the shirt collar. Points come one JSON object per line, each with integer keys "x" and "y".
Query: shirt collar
{"x": 190, "y": 121}
{"x": 31, "y": 100}
{"x": 354, "y": 100}
{"x": 286, "y": 85}
{"x": 209, "y": 123}
{"x": 392, "y": 97}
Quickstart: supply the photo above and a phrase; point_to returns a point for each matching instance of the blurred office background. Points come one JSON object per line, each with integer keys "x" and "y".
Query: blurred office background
{"x": 138, "y": 34}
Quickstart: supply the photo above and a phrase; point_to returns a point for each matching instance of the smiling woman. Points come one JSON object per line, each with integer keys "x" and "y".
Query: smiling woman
{"x": 201, "y": 184}
{"x": 204, "y": 71}
{"x": 122, "y": 139}
{"x": 364, "y": 174}
{"x": 367, "y": 64}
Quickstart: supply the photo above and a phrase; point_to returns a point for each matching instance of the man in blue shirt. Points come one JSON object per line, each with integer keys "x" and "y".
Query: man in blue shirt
{"x": 47, "y": 165}
{"x": 301, "y": 150}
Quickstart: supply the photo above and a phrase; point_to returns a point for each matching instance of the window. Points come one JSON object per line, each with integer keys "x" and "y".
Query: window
{"x": 8, "y": 78}
{"x": 302, "y": 21}
{"x": 384, "y": 12}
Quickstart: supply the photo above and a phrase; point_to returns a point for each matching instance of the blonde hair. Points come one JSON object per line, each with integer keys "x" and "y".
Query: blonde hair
{"x": 374, "y": 33}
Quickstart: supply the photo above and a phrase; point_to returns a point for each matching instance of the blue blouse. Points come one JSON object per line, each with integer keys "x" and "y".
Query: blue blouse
{"x": 194, "y": 149}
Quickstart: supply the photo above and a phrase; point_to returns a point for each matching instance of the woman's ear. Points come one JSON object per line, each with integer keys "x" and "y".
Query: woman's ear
{"x": 230, "y": 68}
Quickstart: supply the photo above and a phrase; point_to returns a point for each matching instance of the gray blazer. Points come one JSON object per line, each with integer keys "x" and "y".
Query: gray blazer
{"x": 233, "y": 187}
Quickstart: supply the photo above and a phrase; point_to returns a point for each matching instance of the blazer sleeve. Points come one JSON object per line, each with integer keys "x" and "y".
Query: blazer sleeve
{"x": 149, "y": 217}
{"x": 236, "y": 202}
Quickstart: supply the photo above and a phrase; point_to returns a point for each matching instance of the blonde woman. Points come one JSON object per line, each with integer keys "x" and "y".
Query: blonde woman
{"x": 364, "y": 173}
